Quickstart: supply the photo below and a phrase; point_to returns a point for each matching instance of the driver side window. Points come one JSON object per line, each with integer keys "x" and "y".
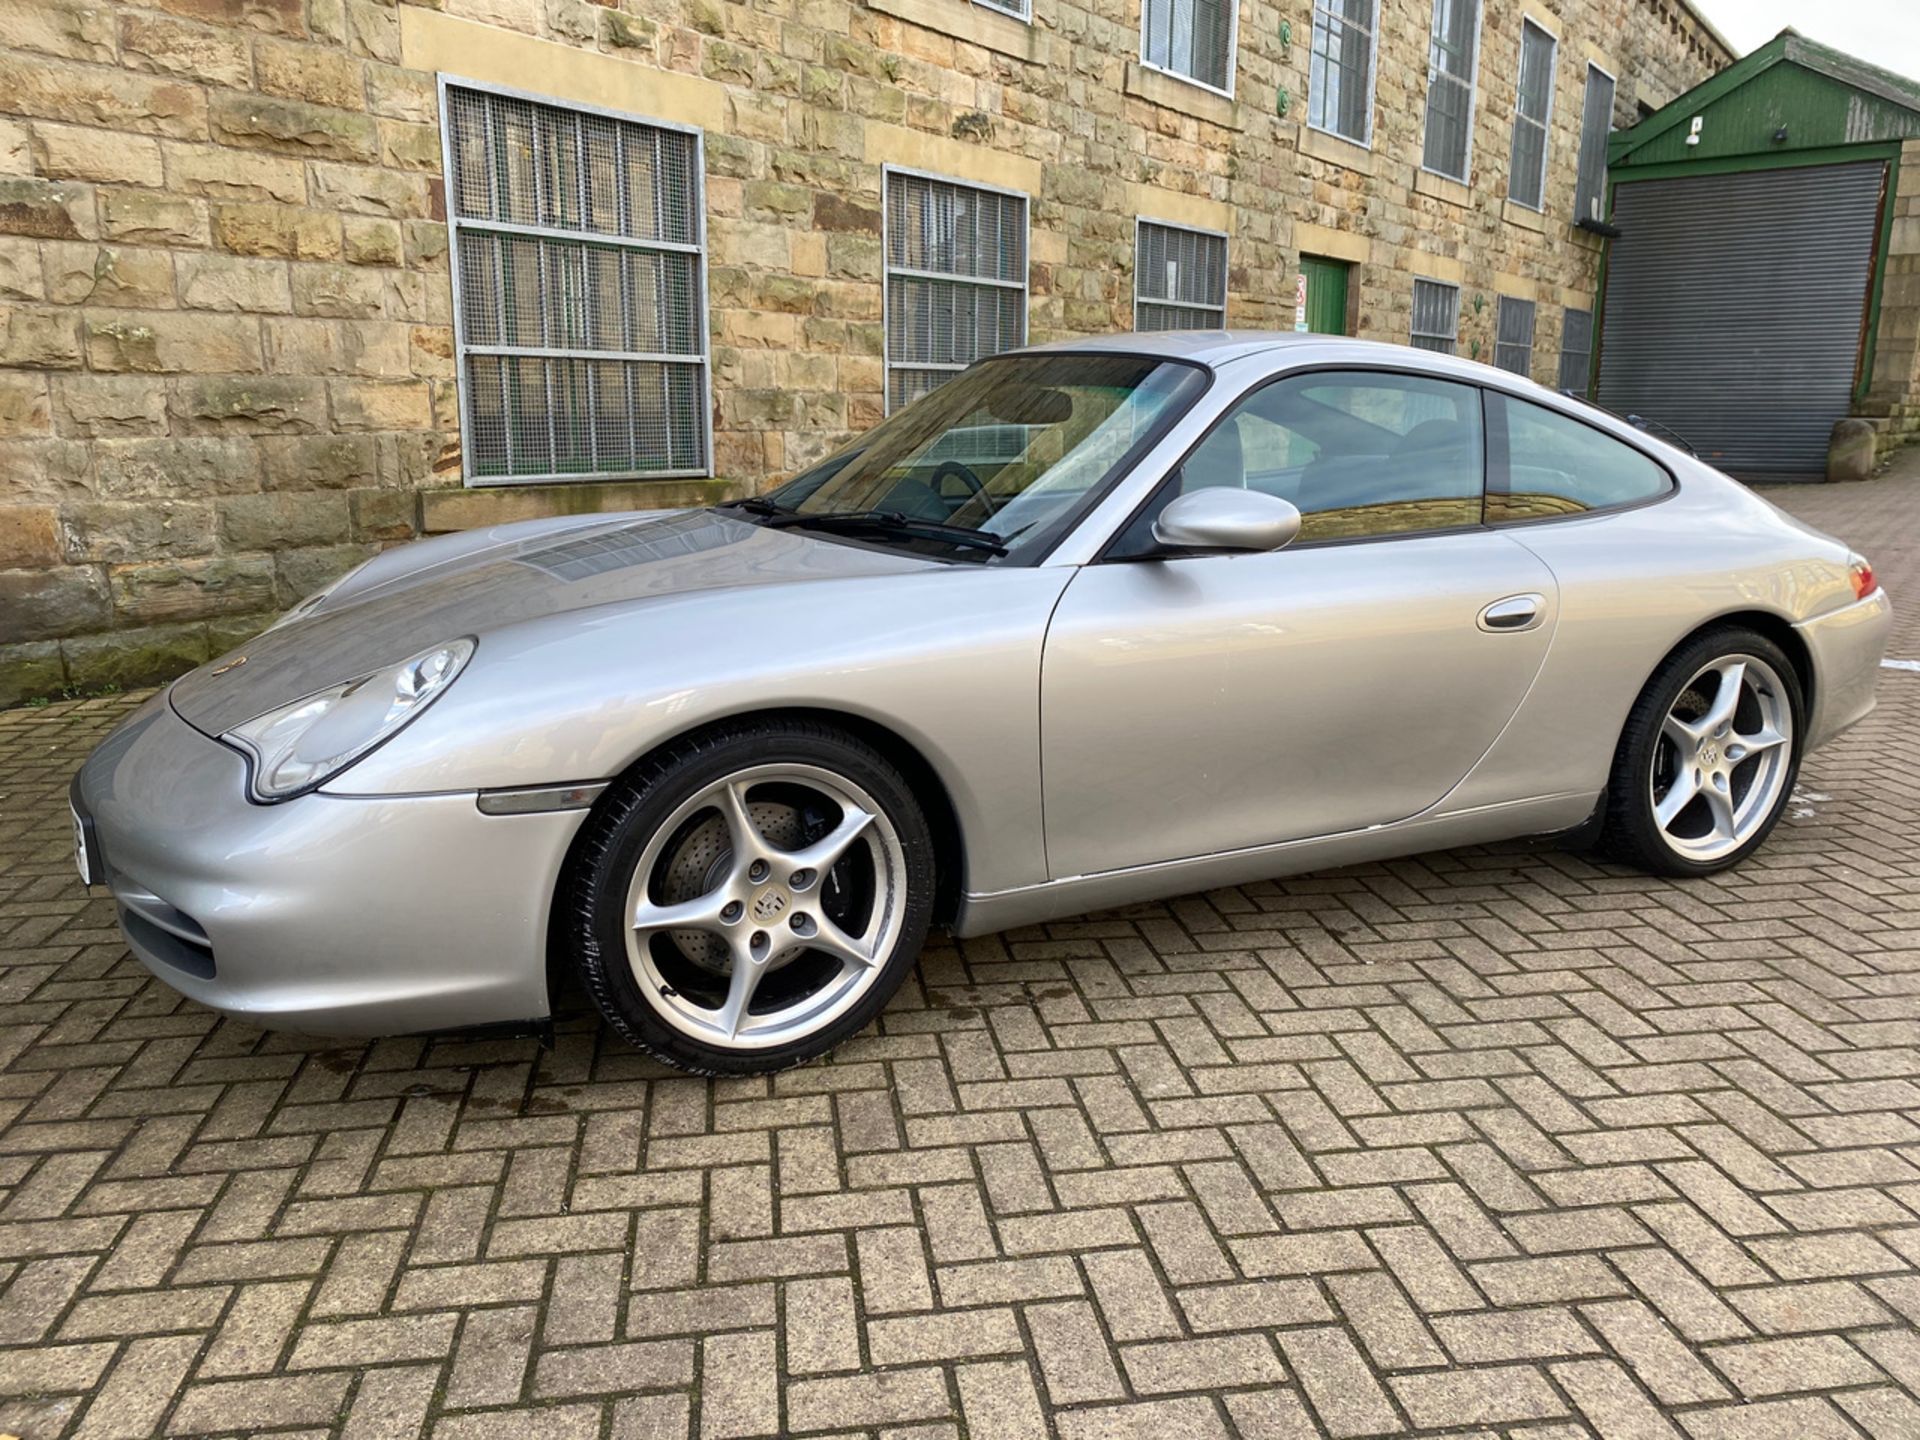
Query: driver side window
{"x": 1362, "y": 454}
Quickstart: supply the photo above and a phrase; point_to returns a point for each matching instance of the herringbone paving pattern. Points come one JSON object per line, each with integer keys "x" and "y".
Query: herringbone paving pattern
{"x": 1489, "y": 1142}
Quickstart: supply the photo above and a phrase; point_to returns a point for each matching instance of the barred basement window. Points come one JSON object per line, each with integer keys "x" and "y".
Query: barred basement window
{"x": 1576, "y": 351}
{"x": 1340, "y": 70}
{"x": 1191, "y": 38}
{"x": 1532, "y": 109}
{"x": 1179, "y": 277}
{"x": 1450, "y": 71}
{"x": 1436, "y": 316}
{"x": 1513, "y": 343}
{"x": 579, "y": 290}
{"x": 956, "y": 279}
{"x": 1019, "y": 9}
{"x": 1596, "y": 123}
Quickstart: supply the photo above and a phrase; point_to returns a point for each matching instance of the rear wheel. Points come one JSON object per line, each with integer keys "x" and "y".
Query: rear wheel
{"x": 1708, "y": 758}
{"x": 751, "y": 897}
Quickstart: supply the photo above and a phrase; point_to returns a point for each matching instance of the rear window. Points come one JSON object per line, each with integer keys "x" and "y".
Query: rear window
{"x": 1558, "y": 466}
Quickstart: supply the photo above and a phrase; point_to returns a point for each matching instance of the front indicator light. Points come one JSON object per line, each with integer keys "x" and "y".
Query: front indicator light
{"x": 1861, "y": 569}
{"x": 303, "y": 745}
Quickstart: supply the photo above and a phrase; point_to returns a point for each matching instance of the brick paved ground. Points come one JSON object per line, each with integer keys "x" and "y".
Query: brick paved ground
{"x": 1485, "y": 1142}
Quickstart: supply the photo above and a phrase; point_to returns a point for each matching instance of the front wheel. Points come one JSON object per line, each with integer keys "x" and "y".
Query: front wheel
{"x": 752, "y": 897}
{"x": 1708, "y": 758}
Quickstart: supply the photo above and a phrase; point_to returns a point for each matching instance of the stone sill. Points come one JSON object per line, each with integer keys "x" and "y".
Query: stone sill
{"x": 1515, "y": 213}
{"x": 963, "y": 20}
{"x": 1321, "y": 145}
{"x": 467, "y": 508}
{"x": 1170, "y": 92}
{"x": 1427, "y": 182}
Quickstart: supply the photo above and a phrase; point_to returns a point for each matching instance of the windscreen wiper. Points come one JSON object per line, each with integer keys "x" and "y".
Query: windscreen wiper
{"x": 755, "y": 505}
{"x": 890, "y": 521}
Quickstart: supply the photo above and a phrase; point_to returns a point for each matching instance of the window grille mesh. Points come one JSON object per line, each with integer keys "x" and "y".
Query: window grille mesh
{"x": 1193, "y": 38}
{"x": 1450, "y": 72}
{"x": 1513, "y": 342}
{"x": 1019, "y": 9}
{"x": 1436, "y": 316}
{"x": 1596, "y": 123}
{"x": 956, "y": 280}
{"x": 1531, "y": 110}
{"x": 1340, "y": 74}
{"x": 1576, "y": 351}
{"x": 1180, "y": 279}
{"x": 577, "y": 253}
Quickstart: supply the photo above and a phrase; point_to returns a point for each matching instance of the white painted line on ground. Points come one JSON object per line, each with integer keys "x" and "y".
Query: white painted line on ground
{"x": 1913, "y": 665}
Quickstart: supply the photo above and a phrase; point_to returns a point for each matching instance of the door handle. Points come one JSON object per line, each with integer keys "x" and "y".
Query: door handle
{"x": 1515, "y": 613}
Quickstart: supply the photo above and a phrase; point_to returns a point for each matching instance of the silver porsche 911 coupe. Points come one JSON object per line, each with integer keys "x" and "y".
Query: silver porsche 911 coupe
{"x": 1091, "y": 623}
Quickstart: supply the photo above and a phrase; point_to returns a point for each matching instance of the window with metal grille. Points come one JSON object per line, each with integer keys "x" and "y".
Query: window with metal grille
{"x": 1436, "y": 316}
{"x": 1019, "y": 9}
{"x": 1179, "y": 278}
{"x": 1532, "y": 108}
{"x": 1596, "y": 123}
{"x": 1340, "y": 70}
{"x": 1450, "y": 71}
{"x": 1576, "y": 351}
{"x": 1513, "y": 342}
{"x": 580, "y": 290}
{"x": 1190, "y": 38}
{"x": 956, "y": 279}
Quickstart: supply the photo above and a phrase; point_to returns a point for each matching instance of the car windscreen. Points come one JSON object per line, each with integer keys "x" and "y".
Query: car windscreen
{"x": 1006, "y": 449}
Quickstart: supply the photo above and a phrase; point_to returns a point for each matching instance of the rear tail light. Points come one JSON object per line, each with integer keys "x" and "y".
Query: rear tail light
{"x": 1862, "y": 571}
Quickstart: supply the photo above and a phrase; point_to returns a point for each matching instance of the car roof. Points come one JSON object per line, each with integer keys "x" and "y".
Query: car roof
{"x": 1217, "y": 347}
{"x": 1286, "y": 349}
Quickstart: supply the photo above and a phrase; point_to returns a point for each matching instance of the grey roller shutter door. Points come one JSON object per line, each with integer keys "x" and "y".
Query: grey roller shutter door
{"x": 1734, "y": 308}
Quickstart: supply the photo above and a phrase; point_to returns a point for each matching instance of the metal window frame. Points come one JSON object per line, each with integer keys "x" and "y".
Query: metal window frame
{"x": 1373, "y": 75}
{"x": 1473, "y": 96}
{"x": 1024, "y": 15}
{"x": 443, "y": 83}
{"x": 887, "y": 271}
{"x": 1414, "y": 334}
{"x": 1605, "y": 170}
{"x": 1233, "y": 50}
{"x": 1226, "y": 241}
{"x": 1533, "y": 332}
{"x": 1546, "y": 116}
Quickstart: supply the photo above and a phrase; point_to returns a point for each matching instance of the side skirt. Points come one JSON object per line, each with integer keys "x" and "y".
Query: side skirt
{"x": 1078, "y": 894}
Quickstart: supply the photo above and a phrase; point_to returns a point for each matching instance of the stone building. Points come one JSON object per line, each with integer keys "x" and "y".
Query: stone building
{"x": 695, "y": 243}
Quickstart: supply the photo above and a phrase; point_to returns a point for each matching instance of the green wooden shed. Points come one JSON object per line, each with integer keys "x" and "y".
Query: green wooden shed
{"x": 1764, "y": 235}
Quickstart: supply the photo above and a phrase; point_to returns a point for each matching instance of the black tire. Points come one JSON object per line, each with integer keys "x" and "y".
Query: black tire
{"x": 595, "y": 889}
{"x": 1631, "y": 834}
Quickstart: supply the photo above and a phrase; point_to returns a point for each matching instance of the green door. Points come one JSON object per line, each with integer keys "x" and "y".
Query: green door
{"x": 1326, "y": 304}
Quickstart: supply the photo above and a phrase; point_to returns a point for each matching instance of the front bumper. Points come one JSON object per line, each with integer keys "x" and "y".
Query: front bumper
{"x": 340, "y": 915}
{"x": 1846, "y": 645}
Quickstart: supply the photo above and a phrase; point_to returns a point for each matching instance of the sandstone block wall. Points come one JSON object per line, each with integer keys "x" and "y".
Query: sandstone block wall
{"x": 226, "y": 345}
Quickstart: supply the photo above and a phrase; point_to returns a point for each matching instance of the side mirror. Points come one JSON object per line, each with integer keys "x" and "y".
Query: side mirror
{"x": 1225, "y": 518}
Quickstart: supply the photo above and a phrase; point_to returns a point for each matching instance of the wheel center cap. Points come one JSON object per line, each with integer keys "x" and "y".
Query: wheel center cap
{"x": 768, "y": 905}
{"x": 1710, "y": 754}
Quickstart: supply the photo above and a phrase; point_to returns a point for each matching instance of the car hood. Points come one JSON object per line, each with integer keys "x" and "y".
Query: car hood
{"x": 469, "y": 588}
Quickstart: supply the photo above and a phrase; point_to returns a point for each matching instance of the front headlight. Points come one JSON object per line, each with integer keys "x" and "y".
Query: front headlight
{"x": 303, "y": 745}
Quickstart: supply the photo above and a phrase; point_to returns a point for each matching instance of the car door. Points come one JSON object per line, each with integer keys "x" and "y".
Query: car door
{"x": 1194, "y": 704}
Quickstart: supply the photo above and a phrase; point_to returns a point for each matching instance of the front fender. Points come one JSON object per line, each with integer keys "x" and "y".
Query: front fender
{"x": 947, "y": 658}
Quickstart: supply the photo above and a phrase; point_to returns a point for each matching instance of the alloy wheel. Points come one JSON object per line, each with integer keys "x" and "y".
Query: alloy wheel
{"x": 1723, "y": 759}
{"x": 765, "y": 906}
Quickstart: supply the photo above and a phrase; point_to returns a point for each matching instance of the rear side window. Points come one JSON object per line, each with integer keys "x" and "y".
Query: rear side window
{"x": 1558, "y": 466}
{"x": 1361, "y": 454}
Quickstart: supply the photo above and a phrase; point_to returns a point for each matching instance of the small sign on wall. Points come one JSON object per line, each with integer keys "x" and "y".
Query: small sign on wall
{"x": 1300, "y": 304}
